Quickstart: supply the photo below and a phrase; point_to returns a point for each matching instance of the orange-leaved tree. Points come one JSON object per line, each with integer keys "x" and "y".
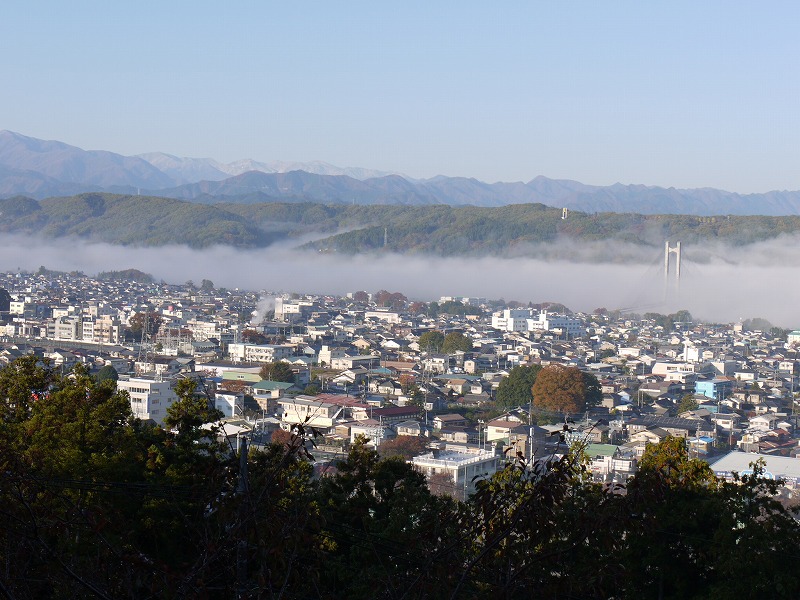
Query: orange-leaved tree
{"x": 560, "y": 389}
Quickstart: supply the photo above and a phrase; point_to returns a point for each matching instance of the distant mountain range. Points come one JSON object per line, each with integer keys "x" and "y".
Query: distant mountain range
{"x": 41, "y": 169}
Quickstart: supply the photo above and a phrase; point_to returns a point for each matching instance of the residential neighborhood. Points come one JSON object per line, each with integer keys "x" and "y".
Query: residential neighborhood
{"x": 383, "y": 367}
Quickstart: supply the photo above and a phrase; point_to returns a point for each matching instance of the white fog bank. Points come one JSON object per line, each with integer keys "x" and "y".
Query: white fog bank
{"x": 759, "y": 280}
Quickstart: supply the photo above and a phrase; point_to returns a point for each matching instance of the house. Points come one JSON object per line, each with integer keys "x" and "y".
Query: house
{"x": 412, "y": 428}
{"x": 675, "y": 427}
{"x": 308, "y": 411}
{"x": 438, "y": 363}
{"x": 386, "y": 415}
{"x": 374, "y": 430}
{"x": 607, "y": 463}
{"x": 651, "y": 435}
{"x": 450, "y": 420}
{"x": 459, "y": 435}
{"x": 716, "y": 388}
{"x": 271, "y": 389}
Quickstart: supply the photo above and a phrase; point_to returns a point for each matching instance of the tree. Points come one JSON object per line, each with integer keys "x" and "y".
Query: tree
{"x": 456, "y": 341}
{"x": 687, "y": 403}
{"x": 206, "y": 285}
{"x": 150, "y": 322}
{"x": 431, "y": 341}
{"x": 372, "y": 503}
{"x": 560, "y": 389}
{"x": 251, "y": 336}
{"x": 107, "y": 373}
{"x": 393, "y": 300}
{"x": 277, "y": 371}
{"x": 5, "y": 300}
{"x": 405, "y": 446}
{"x": 594, "y": 393}
{"x": 515, "y": 390}
{"x": 190, "y": 411}
{"x": 282, "y": 437}
{"x": 417, "y": 307}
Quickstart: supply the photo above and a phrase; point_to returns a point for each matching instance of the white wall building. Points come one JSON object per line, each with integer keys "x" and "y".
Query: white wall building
{"x": 230, "y": 405}
{"x": 462, "y": 464}
{"x": 383, "y": 315}
{"x": 567, "y": 326}
{"x": 511, "y": 319}
{"x": 150, "y": 398}
{"x": 258, "y": 352}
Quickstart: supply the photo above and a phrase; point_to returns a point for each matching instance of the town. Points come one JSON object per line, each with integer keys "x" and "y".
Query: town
{"x": 446, "y": 384}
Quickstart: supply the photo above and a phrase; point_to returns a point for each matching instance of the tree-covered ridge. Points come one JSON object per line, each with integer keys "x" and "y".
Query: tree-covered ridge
{"x": 126, "y": 275}
{"x": 129, "y": 220}
{"x": 94, "y": 503}
{"x": 507, "y": 230}
{"x": 514, "y": 230}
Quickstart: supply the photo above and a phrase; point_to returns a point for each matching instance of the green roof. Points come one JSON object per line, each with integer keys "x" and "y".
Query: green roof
{"x": 241, "y": 376}
{"x": 601, "y": 449}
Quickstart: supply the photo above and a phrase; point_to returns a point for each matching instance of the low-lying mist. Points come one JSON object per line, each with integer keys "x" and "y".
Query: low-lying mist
{"x": 719, "y": 283}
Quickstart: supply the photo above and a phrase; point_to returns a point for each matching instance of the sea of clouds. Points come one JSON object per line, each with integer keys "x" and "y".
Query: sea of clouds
{"x": 719, "y": 283}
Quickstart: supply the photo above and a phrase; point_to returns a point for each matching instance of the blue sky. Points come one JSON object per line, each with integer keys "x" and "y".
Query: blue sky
{"x": 683, "y": 94}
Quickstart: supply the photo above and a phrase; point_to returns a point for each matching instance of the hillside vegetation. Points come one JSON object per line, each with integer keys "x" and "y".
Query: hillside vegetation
{"x": 516, "y": 230}
{"x": 99, "y": 504}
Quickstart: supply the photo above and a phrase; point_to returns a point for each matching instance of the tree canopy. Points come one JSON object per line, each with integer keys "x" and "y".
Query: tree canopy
{"x": 516, "y": 389}
{"x": 148, "y": 322}
{"x": 96, "y": 503}
{"x": 564, "y": 389}
{"x": 108, "y": 372}
{"x": 456, "y": 341}
{"x": 277, "y": 371}
{"x": 431, "y": 341}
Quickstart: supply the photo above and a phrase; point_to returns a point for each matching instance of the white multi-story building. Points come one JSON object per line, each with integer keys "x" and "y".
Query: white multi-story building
{"x": 203, "y": 330}
{"x": 291, "y": 311}
{"x": 308, "y": 411}
{"x": 511, "y": 319}
{"x": 383, "y": 315}
{"x": 150, "y": 398}
{"x": 567, "y": 326}
{"x": 230, "y": 405}
{"x": 258, "y": 352}
{"x": 327, "y": 354}
{"x": 463, "y": 465}
{"x": 68, "y": 328}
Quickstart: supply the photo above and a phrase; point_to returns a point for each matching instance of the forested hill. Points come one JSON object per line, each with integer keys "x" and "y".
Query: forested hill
{"x": 516, "y": 230}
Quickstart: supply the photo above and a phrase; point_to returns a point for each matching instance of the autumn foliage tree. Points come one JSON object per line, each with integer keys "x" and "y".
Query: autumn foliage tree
{"x": 149, "y": 322}
{"x": 407, "y": 446}
{"x": 251, "y": 336}
{"x": 393, "y": 300}
{"x": 560, "y": 389}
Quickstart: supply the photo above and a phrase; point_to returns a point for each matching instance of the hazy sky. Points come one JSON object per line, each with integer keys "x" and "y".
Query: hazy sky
{"x": 684, "y": 94}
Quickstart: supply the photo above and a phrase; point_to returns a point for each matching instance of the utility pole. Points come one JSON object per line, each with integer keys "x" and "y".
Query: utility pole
{"x": 242, "y": 491}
